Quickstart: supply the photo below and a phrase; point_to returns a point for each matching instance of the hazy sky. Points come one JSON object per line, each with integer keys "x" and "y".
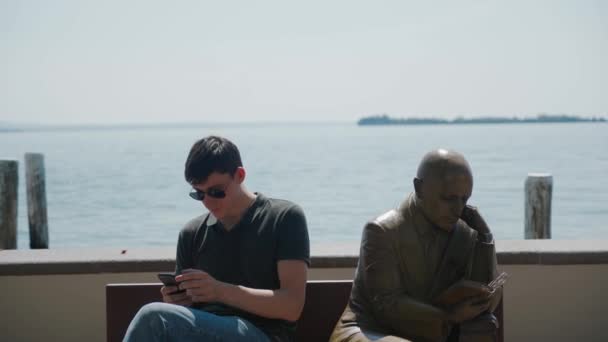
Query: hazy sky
{"x": 82, "y": 62}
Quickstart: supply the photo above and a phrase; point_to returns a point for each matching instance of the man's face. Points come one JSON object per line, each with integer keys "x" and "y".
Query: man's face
{"x": 224, "y": 182}
{"x": 444, "y": 198}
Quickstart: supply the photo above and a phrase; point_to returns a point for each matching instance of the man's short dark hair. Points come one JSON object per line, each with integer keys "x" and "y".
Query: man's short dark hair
{"x": 211, "y": 154}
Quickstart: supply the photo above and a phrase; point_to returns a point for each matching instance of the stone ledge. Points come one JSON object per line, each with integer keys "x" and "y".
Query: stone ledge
{"x": 552, "y": 252}
{"x": 114, "y": 260}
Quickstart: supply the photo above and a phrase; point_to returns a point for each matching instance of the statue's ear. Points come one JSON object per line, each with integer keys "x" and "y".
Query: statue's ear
{"x": 418, "y": 187}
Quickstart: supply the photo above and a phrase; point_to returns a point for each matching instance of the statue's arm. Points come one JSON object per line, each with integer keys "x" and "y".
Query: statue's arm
{"x": 485, "y": 269}
{"x": 485, "y": 254}
{"x": 407, "y": 316}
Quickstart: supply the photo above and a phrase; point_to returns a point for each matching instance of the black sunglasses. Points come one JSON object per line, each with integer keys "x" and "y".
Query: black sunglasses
{"x": 200, "y": 195}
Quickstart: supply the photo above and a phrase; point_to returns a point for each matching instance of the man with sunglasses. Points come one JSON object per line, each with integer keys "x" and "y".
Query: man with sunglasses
{"x": 241, "y": 268}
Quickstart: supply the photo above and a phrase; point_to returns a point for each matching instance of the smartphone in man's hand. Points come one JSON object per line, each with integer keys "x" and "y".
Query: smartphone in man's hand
{"x": 168, "y": 279}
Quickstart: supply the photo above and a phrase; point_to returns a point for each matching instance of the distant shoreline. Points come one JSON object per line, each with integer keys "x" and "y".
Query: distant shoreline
{"x": 541, "y": 118}
{"x": 376, "y": 120}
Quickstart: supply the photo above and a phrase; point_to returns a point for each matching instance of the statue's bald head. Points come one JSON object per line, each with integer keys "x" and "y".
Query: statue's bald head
{"x": 438, "y": 163}
{"x": 443, "y": 183}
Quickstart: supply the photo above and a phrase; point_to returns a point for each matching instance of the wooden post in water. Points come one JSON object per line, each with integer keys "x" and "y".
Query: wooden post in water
{"x": 539, "y": 187}
{"x": 36, "y": 200}
{"x": 9, "y": 177}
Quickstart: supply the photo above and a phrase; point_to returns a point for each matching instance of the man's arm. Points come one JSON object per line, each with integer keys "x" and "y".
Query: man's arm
{"x": 182, "y": 261}
{"x": 284, "y": 303}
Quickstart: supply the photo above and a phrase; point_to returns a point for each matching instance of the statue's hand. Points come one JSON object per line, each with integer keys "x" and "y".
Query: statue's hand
{"x": 471, "y": 216}
{"x": 468, "y": 309}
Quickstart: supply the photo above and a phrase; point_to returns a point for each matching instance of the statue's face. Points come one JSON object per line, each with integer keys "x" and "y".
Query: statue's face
{"x": 444, "y": 199}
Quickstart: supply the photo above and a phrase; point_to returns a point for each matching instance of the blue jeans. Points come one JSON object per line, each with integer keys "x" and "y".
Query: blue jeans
{"x": 169, "y": 322}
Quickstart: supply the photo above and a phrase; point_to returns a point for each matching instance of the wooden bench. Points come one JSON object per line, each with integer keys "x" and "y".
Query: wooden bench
{"x": 325, "y": 301}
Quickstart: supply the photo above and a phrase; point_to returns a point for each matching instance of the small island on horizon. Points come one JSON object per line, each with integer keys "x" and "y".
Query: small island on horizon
{"x": 384, "y": 119}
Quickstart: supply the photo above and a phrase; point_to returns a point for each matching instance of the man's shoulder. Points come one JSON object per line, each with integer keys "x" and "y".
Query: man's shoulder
{"x": 278, "y": 205}
{"x": 194, "y": 224}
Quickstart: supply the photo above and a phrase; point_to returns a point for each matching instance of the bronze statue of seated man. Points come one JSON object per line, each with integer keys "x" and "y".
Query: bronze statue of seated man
{"x": 424, "y": 267}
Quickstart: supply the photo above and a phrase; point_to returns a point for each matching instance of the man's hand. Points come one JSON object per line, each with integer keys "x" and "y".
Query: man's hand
{"x": 200, "y": 286}
{"x": 471, "y": 216}
{"x": 172, "y": 295}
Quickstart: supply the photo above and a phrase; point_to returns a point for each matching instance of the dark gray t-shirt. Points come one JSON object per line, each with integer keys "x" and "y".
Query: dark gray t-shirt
{"x": 270, "y": 230}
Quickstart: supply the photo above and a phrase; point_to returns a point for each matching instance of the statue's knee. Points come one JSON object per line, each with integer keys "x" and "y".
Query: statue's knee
{"x": 380, "y": 337}
{"x": 481, "y": 329}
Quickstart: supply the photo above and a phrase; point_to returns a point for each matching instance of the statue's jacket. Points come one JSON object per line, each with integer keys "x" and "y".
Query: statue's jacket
{"x": 402, "y": 268}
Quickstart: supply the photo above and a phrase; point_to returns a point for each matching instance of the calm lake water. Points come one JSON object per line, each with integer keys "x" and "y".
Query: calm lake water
{"x": 125, "y": 188}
